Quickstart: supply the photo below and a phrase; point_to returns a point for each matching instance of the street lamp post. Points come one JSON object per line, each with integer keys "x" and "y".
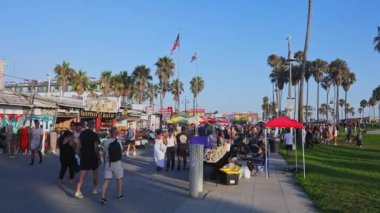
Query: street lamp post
{"x": 48, "y": 75}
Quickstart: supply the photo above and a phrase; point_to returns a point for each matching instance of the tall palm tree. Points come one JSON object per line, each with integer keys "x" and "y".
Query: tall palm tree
{"x": 265, "y": 107}
{"x": 360, "y": 110}
{"x": 372, "y": 104}
{"x": 128, "y": 83}
{"x": 347, "y": 82}
{"x": 105, "y": 82}
{"x": 376, "y": 95}
{"x": 196, "y": 86}
{"x": 338, "y": 71}
{"x": 326, "y": 84}
{"x": 324, "y": 110}
{"x": 319, "y": 67}
{"x": 303, "y": 70}
{"x": 80, "y": 82}
{"x": 142, "y": 77}
{"x": 117, "y": 86}
{"x": 164, "y": 71}
{"x": 341, "y": 103}
{"x": 308, "y": 74}
{"x": 363, "y": 104}
{"x": 278, "y": 75}
{"x": 376, "y": 41}
{"x": 176, "y": 88}
{"x": 152, "y": 91}
{"x": 64, "y": 74}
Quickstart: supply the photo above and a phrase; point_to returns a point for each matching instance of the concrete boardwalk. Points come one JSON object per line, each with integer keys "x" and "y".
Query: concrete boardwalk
{"x": 25, "y": 188}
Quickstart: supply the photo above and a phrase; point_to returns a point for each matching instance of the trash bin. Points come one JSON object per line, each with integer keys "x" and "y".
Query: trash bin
{"x": 274, "y": 145}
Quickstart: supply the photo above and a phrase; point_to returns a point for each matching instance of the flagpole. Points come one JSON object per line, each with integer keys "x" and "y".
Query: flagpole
{"x": 178, "y": 84}
{"x": 196, "y": 75}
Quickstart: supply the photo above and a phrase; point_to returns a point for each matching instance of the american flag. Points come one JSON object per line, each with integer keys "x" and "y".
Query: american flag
{"x": 176, "y": 44}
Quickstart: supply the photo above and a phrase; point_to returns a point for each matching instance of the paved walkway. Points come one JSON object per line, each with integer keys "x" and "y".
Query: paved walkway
{"x": 33, "y": 188}
{"x": 374, "y": 132}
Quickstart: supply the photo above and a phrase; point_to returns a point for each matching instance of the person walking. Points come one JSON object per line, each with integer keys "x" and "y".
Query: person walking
{"x": 170, "y": 150}
{"x": 130, "y": 138}
{"x": 182, "y": 149}
{"x": 89, "y": 158}
{"x": 36, "y": 134}
{"x": 159, "y": 150}
{"x": 67, "y": 159}
{"x": 288, "y": 137}
{"x": 112, "y": 164}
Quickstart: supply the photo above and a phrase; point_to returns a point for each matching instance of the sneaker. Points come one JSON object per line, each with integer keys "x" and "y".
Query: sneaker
{"x": 134, "y": 153}
{"x": 78, "y": 195}
{"x": 95, "y": 191}
{"x": 127, "y": 154}
{"x": 120, "y": 197}
{"x": 103, "y": 201}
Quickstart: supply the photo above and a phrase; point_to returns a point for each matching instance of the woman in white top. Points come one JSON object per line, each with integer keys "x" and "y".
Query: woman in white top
{"x": 159, "y": 150}
{"x": 170, "y": 150}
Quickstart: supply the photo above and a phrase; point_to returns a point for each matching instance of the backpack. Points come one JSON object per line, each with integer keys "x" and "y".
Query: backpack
{"x": 114, "y": 152}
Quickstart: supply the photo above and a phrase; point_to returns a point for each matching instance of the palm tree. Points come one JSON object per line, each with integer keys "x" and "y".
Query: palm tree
{"x": 308, "y": 74}
{"x": 360, "y": 110}
{"x": 142, "y": 77}
{"x": 80, "y": 82}
{"x": 164, "y": 71}
{"x": 372, "y": 104}
{"x": 265, "y": 107}
{"x": 376, "y": 41}
{"x": 105, "y": 82}
{"x": 92, "y": 89}
{"x": 376, "y": 95}
{"x": 319, "y": 67}
{"x": 341, "y": 104}
{"x": 152, "y": 91}
{"x": 64, "y": 74}
{"x": 196, "y": 86}
{"x": 117, "y": 86}
{"x": 176, "y": 88}
{"x": 128, "y": 83}
{"x": 326, "y": 84}
{"x": 278, "y": 76}
{"x": 349, "y": 80}
{"x": 363, "y": 104}
{"x": 303, "y": 70}
{"x": 338, "y": 72}
{"x": 324, "y": 110}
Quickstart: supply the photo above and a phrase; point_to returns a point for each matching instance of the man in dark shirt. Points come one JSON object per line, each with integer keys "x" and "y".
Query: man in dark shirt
{"x": 89, "y": 157}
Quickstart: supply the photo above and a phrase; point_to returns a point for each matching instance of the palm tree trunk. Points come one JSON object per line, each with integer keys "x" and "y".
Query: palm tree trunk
{"x": 161, "y": 98}
{"x": 337, "y": 103}
{"x": 317, "y": 101}
{"x": 327, "y": 102}
{"x": 345, "y": 105}
{"x": 194, "y": 105}
{"x": 295, "y": 101}
{"x": 307, "y": 101}
{"x": 300, "y": 102}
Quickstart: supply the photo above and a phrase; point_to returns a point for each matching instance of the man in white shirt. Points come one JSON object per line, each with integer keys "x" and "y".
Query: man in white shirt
{"x": 112, "y": 165}
{"x": 288, "y": 137}
{"x": 36, "y": 134}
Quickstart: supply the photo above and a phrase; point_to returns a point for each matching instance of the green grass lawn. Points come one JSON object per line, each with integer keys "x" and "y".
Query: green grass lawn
{"x": 342, "y": 178}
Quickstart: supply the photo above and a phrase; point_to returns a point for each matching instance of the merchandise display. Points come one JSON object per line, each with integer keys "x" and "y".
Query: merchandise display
{"x": 214, "y": 155}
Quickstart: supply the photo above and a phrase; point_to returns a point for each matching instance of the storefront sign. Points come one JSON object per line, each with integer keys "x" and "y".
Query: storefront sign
{"x": 88, "y": 114}
{"x": 101, "y": 105}
{"x": 91, "y": 114}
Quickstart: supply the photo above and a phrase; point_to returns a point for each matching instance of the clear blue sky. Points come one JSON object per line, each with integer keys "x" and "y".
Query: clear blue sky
{"x": 233, "y": 39}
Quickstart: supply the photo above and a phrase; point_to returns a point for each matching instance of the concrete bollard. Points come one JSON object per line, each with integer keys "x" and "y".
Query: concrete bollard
{"x": 196, "y": 170}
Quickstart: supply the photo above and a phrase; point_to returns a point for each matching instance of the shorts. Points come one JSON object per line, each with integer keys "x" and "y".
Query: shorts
{"x": 130, "y": 142}
{"x": 289, "y": 147}
{"x": 116, "y": 170}
{"x": 89, "y": 164}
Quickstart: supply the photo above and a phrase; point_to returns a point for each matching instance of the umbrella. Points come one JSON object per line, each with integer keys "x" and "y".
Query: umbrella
{"x": 283, "y": 122}
{"x": 223, "y": 121}
{"x": 189, "y": 121}
{"x": 175, "y": 120}
{"x": 209, "y": 119}
{"x": 286, "y": 122}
